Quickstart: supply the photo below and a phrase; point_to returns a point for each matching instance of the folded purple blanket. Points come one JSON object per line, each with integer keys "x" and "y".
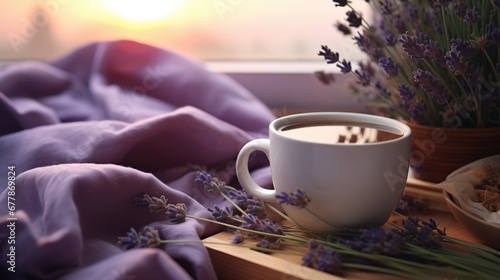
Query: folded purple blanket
{"x": 88, "y": 133}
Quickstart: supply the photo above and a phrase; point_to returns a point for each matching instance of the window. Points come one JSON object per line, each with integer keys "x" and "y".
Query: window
{"x": 270, "y": 36}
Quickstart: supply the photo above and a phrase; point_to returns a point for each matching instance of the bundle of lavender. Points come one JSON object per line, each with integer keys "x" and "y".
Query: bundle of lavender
{"x": 430, "y": 62}
{"x": 416, "y": 250}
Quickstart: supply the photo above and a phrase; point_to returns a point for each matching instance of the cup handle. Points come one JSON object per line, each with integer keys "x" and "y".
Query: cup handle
{"x": 243, "y": 174}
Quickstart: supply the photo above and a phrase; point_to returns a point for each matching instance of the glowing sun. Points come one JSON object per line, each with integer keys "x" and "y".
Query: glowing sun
{"x": 143, "y": 10}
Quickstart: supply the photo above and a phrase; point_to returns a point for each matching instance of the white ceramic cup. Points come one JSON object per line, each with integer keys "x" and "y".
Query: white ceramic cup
{"x": 349, "y": 185}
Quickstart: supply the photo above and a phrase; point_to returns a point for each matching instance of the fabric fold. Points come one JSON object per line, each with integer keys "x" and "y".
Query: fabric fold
{"x": 90, "y": 132}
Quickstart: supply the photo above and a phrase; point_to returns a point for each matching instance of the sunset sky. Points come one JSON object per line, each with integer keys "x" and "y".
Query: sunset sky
{"x": 204, "y": 29}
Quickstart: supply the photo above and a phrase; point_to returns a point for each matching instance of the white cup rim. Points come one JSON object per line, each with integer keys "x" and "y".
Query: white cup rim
{"x": 348, "y": 116}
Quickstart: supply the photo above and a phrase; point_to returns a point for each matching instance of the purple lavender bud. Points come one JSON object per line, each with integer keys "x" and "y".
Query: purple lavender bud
{"x": 202, "y": 177}
{"x": 460, "y": 8}
{"x": 382, "y": 89}
{"x": 435, "y": 53}
{"x": 345, "y": 66}
{"x": 322, "y": 258}
{"x": 421, "y": 235}
{"x": 403, "y": 207}
{"x": 438, "y": 29}
{"x": 389, "y": 66}
{"x": 430, "y": 84}
{"x": 264, "y": 243}
{"x": 129, "y": 241}
{"x": 363, "y": 78}
{"x": 417, "y": 111}
{"x": 386, "y": 7}
{"x": 399, "y": 23}
{"x": 328, "y": 261}
{"x": 471, "y": 15}
{"x": 141, "y": 202}
{"x": 340, "y": 3}
{"x": 411, "y": 47}
{"x": 390, "y": 39}
{"x": 329, "y": 56}
{"x": 210, "y": 183}
{"x": 222, "y": 215}
{"x": 176, "y": 213}
{"x": 250, "y": 222}
{"x": 492, "y": 34}
{"x": 239, "y": 197}
{"x": 325, "y": 78}
{"x": 150, "y": 237}
{"x": 238, "y": 237}
{"x": 410, "y": 11}
{"x": 298, "y": 198}
{"x": 406, "y": 93}
{"x": 353, "y": 19}
{"x": 256, "y": 208}
{"x": 424, "y": 79}
{"x": 343, "y": 28}
{"x": 456, "y": 62}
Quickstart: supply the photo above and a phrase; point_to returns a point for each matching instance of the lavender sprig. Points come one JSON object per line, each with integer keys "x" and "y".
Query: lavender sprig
{"x": 413, "y": 250}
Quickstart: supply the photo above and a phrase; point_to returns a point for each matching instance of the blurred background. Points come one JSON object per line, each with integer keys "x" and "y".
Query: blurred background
{"x": 231, "y": 36}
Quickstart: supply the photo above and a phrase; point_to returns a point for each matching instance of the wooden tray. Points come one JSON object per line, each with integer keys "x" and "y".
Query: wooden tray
{"x": 238, "y": 262}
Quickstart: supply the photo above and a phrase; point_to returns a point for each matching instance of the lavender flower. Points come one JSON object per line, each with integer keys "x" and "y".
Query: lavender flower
{"x": 429, "y": 83}
{"x": 210, "y": 183}
{"x": 343, "y": 28}
{"x": 353, "y": 19}
{"x": 368, "y": 44}
{"x": 354, "y": 249}
{"x": 389, "y": 66}
{"x": 264, "y": 243}
{"x": 410, "y": 45}
{"x": 224, "y": 215}
{"x": 325, "y": 78}
{"x": 131, "y": 240}
{"x": 423, "y": 30}
{"x": 247, "y": 202}
{"x": 345, "y": 66}
{"x": 408, "y": 203}
{"x": 417, "y": 111}
{"x": 329, "y": 56}
{"x": 456, "y": 62}
{"x": 147, "y": 238}
{"x": 150, "y": 238}
{"x": 154, "y": 204}
{"x": 298, "y": 198}
{"x": 425, "y": 234}
{"x": 176, "y": 213}
{"x": 406, "y": 93}
{"x": 382, "y": 89}
{"x": 340, "y": 3}
{"x": 471, "y": 15}
{"x": 237, "y": 237}
{"x": 363, "y": 78}
{"x": 256, "y": 208}
{"x": 435, "y": 53}
{"x": 263, "y": 225}
{"x": 389, "y": 38}
{"x": 460, "y": 8}
{"x": 386, "y": 7}
{"x": 492, "y": 35}
{"x": 322, "y": 258}
{"x": 376, "y": 241}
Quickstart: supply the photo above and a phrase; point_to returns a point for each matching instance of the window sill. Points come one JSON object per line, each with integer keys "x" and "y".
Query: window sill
{"x": 291, "y": 86}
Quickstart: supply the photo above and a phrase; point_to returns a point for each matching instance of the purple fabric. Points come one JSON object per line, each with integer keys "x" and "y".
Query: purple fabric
{"x": 93, "y": 130}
